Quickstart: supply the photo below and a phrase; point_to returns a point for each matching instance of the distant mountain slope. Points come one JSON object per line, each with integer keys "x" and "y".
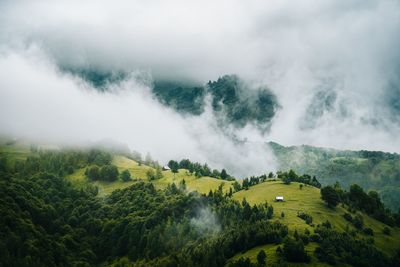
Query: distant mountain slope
{"x": 373, "y": 170}
{"x": 232, "y": 100}
{"x": 184, "y": 98}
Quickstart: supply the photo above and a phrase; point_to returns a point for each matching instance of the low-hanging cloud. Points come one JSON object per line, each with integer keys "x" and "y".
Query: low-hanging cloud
{"x": 40, "y": 102}
{"x": 205, "y": 221}
{"x": 333, "y": 66}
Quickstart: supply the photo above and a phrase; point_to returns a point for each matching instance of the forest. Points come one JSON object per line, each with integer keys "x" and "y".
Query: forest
{"x": 46, "y": 221}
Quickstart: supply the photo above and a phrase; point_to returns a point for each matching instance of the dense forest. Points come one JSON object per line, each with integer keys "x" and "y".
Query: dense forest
{"x": 46, "y": 221}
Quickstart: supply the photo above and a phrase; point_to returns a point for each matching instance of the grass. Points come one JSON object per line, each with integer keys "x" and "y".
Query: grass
{"x": 272, "y": 257}
{"x": 15, "y": 152}
{"x": 138, "y": 172}
{"x": 202, "y": 184}
{"x": 308, "y": 200}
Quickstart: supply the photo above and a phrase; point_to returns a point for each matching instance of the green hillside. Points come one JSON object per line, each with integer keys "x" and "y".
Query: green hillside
{"x": 272, "y": 258}
{"x": 138, "y": 172}
{"x": 50, "y": 199}
{"x": 308, "y": 200}
{"x": 373, "y": 170}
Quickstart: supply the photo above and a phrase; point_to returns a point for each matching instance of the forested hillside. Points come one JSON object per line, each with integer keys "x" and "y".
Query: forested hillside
{"x": 93, "y": 207}
{"x": 232, "y": 100}
{"x": 373, "y": 170}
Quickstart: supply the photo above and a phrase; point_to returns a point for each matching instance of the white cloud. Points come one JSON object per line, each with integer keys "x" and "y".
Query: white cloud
{"x": 39, "y": 102}
{"x": 296, "y": 48}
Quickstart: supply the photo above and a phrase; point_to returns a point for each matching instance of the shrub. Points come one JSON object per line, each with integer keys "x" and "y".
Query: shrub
{"x": 294, "y": 251}
{"x": 348, "y": 217}
{"x": 151, "y": 175}
{"x": 261, "y": 256}
{"x": 305, "y": 239}
{"x": 306, "y": 217}
{"x": 358, "y": 221}
{"x": 286, "y": 180}
{"x": 279, "y": 250}
{"x": 330, "y": 196}
{"x": 327, "y": 224}
{"x": 126, "y": 176}
{"x": 109, "y": 173}
{"x": 386, "y": 230}
{"x": 93, "y": 173}
{"x": 307, "y": 232}
{"x": 315, "y": 238}
{"x": 368, "y": 231}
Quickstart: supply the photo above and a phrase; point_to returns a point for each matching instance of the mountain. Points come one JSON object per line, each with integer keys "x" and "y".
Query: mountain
{"x": 373, "y": 170}
{"x": 95, "y": 207}
{"x": 232, "y": 100}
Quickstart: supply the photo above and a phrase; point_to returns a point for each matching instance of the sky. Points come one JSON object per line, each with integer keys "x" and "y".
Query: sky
{"x": 333, "y": 65}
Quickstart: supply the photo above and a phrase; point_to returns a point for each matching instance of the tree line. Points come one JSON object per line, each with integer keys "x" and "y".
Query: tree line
{"x": 357, "y": 199}
{"x": 199, "y": 170}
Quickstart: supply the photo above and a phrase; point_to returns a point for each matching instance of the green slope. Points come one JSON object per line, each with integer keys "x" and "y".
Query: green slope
{"x": 138, "y": 172}
{"x": 272, "y": 258}
{"x": 297, "y": 200}
{"x": 372, "y": 170}
{"x": 308, "y": 200}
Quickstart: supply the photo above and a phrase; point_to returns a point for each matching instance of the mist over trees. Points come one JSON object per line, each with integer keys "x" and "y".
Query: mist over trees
{"x": 232, "y": 101}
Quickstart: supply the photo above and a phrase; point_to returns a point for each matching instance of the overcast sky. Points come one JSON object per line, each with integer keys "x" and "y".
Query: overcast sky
{"x": 305, "y": 51}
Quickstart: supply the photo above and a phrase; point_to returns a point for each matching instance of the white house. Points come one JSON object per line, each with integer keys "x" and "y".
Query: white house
{"x": 166, "y": 168}
{"x": 279, "y": 198}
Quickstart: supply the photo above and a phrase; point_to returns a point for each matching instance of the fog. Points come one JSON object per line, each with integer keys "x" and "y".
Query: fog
{"x": 47, "y": 105}
{"x": 205, "y": 221}
{"x": 334, "y": 67}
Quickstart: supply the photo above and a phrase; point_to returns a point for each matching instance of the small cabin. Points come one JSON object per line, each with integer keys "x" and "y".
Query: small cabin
{"x": 279, "y": 199}
{"x": 166, "y": 168}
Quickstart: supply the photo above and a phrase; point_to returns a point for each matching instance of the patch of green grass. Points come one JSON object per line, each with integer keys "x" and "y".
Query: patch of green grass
{"x": 273, "y": 258}
{"x": 202, "y": 185}
{"x": 308, "y": 200}
{"x": 15, "y": 152}
{"x": 78, "y": 178}
{"x": 137, "y": 170}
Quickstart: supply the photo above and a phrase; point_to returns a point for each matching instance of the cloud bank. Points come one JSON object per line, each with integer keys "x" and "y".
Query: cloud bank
{"x": 334, "y": 67}
{"x": 48, "y": 105}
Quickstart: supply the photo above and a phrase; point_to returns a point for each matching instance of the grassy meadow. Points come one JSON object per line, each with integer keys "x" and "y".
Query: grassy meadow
{"x": 138, "y": 172}
{"x": 308, "y": 200}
